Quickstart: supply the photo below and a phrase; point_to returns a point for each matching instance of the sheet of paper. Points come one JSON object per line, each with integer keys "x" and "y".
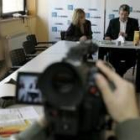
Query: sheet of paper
{"x": 16, "y": 120}
{"x": 121, "y": 39}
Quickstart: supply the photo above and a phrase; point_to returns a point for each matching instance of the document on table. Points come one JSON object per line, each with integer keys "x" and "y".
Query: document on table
{"x": 16, "y": 120}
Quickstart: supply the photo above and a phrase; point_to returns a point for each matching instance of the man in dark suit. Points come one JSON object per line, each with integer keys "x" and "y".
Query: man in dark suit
{"x": 122, "y": 59}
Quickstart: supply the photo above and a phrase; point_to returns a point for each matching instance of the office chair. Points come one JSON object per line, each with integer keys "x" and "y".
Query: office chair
{"x": 18, "y": 59}
{"x": 33, "y": 39}
{"x": 63, "y": 35}
{"x": 30, "y": 49}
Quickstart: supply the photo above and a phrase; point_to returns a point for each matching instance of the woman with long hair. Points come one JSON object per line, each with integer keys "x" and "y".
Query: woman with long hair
{"x": 80, "y": 28}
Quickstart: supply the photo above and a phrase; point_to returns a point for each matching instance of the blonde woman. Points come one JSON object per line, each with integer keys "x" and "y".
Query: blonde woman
{"x": 80, "y": 28}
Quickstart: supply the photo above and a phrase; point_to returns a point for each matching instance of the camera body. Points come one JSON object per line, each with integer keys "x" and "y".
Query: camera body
{"x": 73, "y": 104}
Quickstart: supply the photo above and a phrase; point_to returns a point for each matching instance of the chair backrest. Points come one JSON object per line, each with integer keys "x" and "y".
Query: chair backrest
{"x": 29, "y": 47}
{"x": 18, "y": 57}
{"x": 32, "y": 38}
{"x": 63, "y": 34}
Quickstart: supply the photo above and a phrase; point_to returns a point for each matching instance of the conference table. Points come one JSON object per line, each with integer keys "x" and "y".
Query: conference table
{"x": 59, "y": 50}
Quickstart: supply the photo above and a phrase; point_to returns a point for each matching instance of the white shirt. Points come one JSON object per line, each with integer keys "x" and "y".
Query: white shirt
{"x": 123, "y": 26}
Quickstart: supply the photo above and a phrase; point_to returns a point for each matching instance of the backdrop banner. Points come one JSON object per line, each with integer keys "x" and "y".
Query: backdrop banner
{"x": 112, "y": 9}
{"x": 61, "y": 11}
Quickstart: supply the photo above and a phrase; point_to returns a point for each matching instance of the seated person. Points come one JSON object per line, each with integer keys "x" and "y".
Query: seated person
{"x": 121, "y": 104}
{"x": 80, "y": 28}
{"x": 124, "y": 26}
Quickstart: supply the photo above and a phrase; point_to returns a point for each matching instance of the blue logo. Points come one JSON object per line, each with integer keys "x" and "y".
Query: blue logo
{"x": 69, "y": 22}
{"x": 131, "y": 9}
{"x": 54, "y": 14}
{"x": 111, "y": 16}
{"x": 70, "y": 7}
{"x": 54, "y": 29}
{"x": 87, "y": 15}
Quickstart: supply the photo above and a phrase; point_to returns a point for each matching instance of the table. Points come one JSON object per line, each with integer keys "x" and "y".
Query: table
{"x": 127, "y": 45}
{"x": 59, "y": 50}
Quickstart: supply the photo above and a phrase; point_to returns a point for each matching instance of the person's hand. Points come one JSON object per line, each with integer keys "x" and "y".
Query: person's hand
{"x": 121, "y": 103}
{"x": 123, "y": 34}
{"x": 83, "y": 38}
{"x": 107, "y": 38}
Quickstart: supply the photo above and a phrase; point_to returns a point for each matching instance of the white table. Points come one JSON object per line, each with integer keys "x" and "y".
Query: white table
{"x": 55, "y": 54}
{"x": 58, "y": 51}
{"x": 126, "y": 45}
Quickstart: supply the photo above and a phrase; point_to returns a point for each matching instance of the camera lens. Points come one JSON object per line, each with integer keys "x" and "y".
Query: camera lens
{"x": 61, "y": 85}
{"x": 63, "y": 82}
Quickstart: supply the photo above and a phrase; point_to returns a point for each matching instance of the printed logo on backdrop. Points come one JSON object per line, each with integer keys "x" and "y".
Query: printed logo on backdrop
{"x": 54, "y": 29}
{"x": 68, "y": 22}
{"x": 111, "y": 16}
{"x": 63, "y": 16}
{"x": 115, "y": 11}
{"x": 131, "y": 9}
{"x": 93, "y": 9}
{"x": 97, "y": 17}
{"x": 54, "y": 14}
{"x": 88, "y": 15}
{"x": 57, "y": 26}
{"x": 58, "y": 9}
{"x": 94, "y": 25}
{"x": 97, "y": 32}
{"x": 71, "y": 7}
{"x": 61, "y": 24}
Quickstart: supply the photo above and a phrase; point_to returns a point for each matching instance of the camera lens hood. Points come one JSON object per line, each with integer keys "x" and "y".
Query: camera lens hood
{"x": 61, "y": 85}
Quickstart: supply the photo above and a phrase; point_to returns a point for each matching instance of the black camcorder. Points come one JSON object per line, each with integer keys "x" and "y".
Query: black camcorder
{"x": 72, "y": 102}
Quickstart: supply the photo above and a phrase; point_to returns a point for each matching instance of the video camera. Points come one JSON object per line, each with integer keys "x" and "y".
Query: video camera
{"x": 72, "y": 102}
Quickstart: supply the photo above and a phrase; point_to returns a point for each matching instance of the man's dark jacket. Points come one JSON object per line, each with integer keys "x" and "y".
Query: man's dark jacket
{"x": 114, "y": 28}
